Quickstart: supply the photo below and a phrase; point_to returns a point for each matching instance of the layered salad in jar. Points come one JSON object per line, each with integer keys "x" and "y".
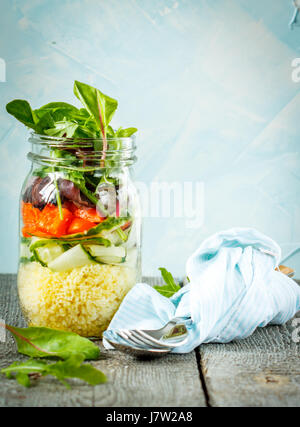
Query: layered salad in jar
{"x": 80, "y": 219}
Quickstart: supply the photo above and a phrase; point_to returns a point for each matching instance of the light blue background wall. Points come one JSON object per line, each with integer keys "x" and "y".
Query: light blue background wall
{"x": 207, "y": 82}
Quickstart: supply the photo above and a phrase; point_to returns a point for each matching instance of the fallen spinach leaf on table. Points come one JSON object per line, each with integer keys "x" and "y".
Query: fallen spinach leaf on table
{"x": 46, "y": 342}
{"x": 23, "y": 370}
{"x": 23, "y": 379}
{"x": 171, "y": 286}
{"x": 74, "y": 368}
{"x": 39, "y": 342}
{"x": 62, "y": 370}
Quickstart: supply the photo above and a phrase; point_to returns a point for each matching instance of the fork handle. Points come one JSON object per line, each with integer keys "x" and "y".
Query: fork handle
{"x": 184, "y": 320}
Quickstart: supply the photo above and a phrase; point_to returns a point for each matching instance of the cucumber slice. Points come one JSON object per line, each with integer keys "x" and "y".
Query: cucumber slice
{"x": 113, "y": 238}
{"x": 89, "y": 241}
{"x": 68, "y": 243}
{"x": 117, "y": 236}
{"x": 133, "y": 235}
{"x": 24, "y": 251}
{"x": 123, "y": 236}
{"x": 110, "y": 224}
{"x": 46, "y": 254}
{"x": 74, "y": 257}
{"x": 110, "y": 260}
{"x": 24, "y": 260}
{"x": 35, "y": 239}
{"x": 111, "y": 255}
{"x": 37, "y": 242}
{"x": 131, "y": 258}
{"x": 26, "y": 240}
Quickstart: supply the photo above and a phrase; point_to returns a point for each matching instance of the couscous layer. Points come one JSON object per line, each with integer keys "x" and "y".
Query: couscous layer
{"x": 82, "y": 300}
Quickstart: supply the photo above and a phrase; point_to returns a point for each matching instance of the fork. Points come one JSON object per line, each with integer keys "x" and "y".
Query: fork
{"x": 153, "y": 342}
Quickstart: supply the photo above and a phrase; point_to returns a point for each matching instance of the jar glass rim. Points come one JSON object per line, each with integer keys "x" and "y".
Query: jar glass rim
{"x": 119, "y": 152}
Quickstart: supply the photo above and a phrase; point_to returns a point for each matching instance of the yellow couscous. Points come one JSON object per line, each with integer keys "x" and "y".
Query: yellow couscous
{"x": 82, "y": 300}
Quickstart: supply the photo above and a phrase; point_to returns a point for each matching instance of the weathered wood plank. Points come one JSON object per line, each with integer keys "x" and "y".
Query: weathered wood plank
{"x": 263, "y": 370}
{"x": 170, "y": 381}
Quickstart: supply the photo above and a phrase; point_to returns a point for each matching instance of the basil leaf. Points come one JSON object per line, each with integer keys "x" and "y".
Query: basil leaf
{"x": 22, "y": 111}
{"x": 171, "y": 286}
{"x": 99, "y": 105}
{"x": 46, "y": 342}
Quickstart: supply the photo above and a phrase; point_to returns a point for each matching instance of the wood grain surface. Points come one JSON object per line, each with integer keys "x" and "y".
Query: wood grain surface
{"x": 263, "y": 370}
{"x": 170, "y": 381}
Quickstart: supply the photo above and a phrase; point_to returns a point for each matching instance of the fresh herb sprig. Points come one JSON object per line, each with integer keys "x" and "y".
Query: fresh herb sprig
{"x": 171, "y": 287}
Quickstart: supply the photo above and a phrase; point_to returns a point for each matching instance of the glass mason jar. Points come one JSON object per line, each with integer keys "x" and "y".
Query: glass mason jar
{"x": 80, "y": 233}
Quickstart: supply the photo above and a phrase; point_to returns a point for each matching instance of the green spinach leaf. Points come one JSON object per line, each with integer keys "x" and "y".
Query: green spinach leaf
{"x": 99, "y": 105}
{"x": 62, "y": 129}
{"x": 61, "y": 119}
{"x": 23, "y": 379}
{"x": 22, "y": 111}
{"x": 46, "y": 342}
{"x": 79, "y": 180}
{"x": 43, "y": 121}
{"x": 70, "y": 368}
{"x": 73, "y": 368}
{"x": 125, "y": 133}
{"x": 59, "y": 106}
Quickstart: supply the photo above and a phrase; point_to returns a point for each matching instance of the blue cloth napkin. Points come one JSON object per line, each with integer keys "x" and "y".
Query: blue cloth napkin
{"x": 233, "y": 289}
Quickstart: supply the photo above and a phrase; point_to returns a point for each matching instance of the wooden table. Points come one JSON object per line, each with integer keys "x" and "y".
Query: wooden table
{"x": 263, "y": 370}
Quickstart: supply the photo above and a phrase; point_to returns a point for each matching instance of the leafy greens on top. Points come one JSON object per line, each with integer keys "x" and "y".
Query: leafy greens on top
{"x": 63, "y": 120}
{"x": 60, "y": 119}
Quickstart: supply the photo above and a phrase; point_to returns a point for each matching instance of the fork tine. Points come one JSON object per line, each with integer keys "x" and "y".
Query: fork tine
{"x": 127, "y": 339}
{"x": 147, "y": 339}
{"x": 150, "y": 339}
{"x": 131, "y": 337}
{"x": 159, "y": 343}
{"x": 137, "y": 351}
{"x": 141, "y": 341}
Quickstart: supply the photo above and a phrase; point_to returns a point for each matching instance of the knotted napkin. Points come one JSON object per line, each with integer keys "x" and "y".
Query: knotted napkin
{"x": 233, "y": 289}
